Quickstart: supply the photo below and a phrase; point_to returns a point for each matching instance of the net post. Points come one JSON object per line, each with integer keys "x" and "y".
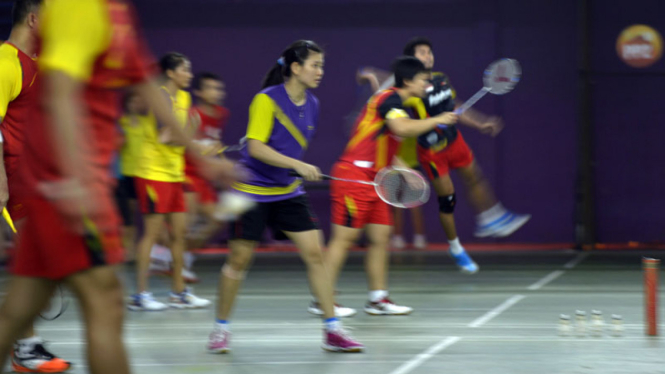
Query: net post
{"x": 650, "y": 267}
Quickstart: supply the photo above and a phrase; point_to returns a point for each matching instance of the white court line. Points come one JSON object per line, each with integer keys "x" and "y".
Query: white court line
{"x": 496, "y": 311}
{"x": 431, "y": 351}
{"x": 545, "y": 280}
{"x": 574, "y": 262}
{"x": 557, "y": 273}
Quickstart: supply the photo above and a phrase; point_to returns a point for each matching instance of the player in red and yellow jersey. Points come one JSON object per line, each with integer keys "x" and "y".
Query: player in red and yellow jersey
{"x": 373, "y": 146}
{"x": 90, "y": 49}
{"x": 159, "y": 186}
{"x": 209, "y": 118}
{"x": 18, "y": 72}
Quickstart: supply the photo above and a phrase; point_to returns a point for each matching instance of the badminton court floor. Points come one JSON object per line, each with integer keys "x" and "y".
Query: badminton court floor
{"x": 502, "y": 320}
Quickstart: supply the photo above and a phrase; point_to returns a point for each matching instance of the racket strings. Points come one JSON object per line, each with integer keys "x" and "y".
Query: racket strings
{"x": 402, "y": 188}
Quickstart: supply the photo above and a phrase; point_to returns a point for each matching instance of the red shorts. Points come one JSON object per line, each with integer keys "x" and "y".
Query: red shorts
{"x": 354, "y": 204}
{"x": 203, "y": 189}
{"x": 160, "y": 197}
{"x": 456, "y": 155}
{"x": 49, "y": 248}
{"x": 15, "y": 205}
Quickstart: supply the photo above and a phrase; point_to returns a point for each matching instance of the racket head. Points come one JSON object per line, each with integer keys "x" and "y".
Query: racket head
{"x": 502, "y": 75}
{"x": 401, "y": 187}
{"x": 57, "y": 305}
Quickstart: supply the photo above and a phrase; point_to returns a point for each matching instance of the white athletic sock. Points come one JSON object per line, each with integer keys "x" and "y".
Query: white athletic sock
{"x": 332, "y": 324}
{"x": 189, "y": 258}
{"x": 378, "y": 295}
{"x": 491, "y": 214}
{"x": 222, "y": 325}
{"x": 455, "y": 246}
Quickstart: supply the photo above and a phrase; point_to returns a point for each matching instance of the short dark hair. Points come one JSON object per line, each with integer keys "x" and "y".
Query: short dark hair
{"x": 406, "y": 68}
{"x": 171, "y": 61}
{"x": 22, "y": 8}
{"x": 410, "y": 47}
{"x": 198, "y": 80}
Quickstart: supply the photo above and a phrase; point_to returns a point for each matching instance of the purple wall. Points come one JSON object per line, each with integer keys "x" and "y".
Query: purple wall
{"x": 629, "y": 117}
{"x": 531, "y": 164}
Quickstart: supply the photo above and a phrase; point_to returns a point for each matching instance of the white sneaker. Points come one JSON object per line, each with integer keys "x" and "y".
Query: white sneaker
{"x": 340, "y": 311}
{"x": 398, "y": 242}
{"x": 187, "y": 300}
{"x": 503, "y": 226}
{"x": 419, "y": 242}
{"x": 145, "y": 302}
{"x": 510, "y": 227}
{"x": 386, "y": 307}
{"x": 190, "y": 276}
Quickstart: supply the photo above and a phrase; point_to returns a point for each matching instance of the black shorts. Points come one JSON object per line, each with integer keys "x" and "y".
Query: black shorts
{"x": 125, "y": 191}
{"x": 294, "y": 215}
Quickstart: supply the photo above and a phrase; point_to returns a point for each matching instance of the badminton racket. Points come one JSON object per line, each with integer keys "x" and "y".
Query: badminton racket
{"x": 396, "y": 186}
{"x": 499, "y": 78}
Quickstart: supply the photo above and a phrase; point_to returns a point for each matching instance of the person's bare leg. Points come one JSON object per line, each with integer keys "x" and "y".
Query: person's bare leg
{"x": 232, "y": 274}
{"x": 342, "y": 239}
{"x": 153, "y": 226}
{"x": 418, "y": 220}
{"x": 444, "y": 187}
{"x": 399, "y": 221}
{"x": 481, "y": 195}
{"x": 310, "y": 245}
{"x": 377, "y": 258}
{"x": 129, "y": 233}
{"x": 178, "y": 223}
{"x": 25, "y": 298}
{"x": 101, "y": 299}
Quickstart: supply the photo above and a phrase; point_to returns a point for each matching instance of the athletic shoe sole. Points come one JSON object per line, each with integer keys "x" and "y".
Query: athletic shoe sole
{"x": 187, "y": 306}
{"x": 330, "y": 348}
{"x": 374, "y": 312}
{"x": 219, "y": 351}
{"x": 140, "y": 309}
{"x": 318, "y": 312}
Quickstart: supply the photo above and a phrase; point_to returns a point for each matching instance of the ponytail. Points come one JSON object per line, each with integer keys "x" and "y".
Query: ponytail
{"x": 296, "y": 52}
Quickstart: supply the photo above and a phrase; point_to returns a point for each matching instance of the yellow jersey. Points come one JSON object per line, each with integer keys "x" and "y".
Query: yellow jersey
{"x": 163, "y": 162}
{"x": 132, "y": 127}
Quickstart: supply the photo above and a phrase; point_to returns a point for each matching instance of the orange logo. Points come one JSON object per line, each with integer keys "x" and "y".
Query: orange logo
{"x": 640, "y": 46}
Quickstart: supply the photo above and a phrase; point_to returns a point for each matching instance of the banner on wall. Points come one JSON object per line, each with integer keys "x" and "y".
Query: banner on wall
{"x": 640, "y": 46}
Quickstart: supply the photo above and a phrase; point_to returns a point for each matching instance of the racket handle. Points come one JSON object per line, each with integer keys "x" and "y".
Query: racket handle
{"x": 293, "y": 173}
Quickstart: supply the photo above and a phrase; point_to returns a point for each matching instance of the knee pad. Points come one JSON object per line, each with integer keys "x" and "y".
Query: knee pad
{"x": 447, "y": 203}
{"x": 229, "y": 272}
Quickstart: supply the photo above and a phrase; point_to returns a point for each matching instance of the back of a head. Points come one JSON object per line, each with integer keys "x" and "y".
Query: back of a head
{"x": 202, "y": 77}
{"x": 405, "y": 68}
{"x": 22, "y": 8}
{"x": 410, "y": 47}
{"x": 297, "y": 52}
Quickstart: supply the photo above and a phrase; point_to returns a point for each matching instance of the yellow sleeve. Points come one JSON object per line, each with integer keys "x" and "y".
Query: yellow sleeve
{"x": 11, "y": 81}
{"x": 261, "y": 118}
{"x": 74, "y": 33}
{"x": 417, "y": 104}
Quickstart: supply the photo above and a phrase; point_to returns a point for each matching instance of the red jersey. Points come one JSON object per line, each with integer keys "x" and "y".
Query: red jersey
{"x": 18, "y": 72}
{"x": 107, "y": 56}
{"x": 210, "y": 127}
{"x": 372, "y": 145}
